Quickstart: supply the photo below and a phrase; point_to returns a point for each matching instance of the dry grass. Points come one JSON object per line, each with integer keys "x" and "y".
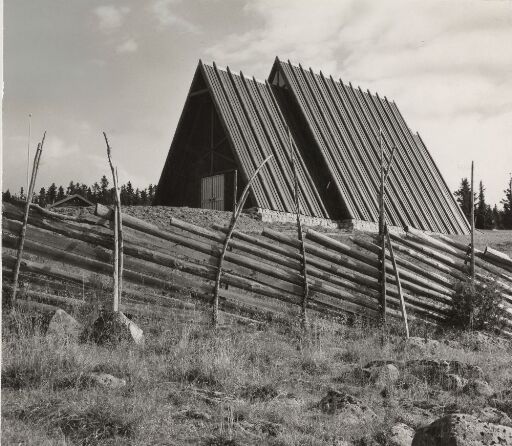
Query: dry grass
{"x": 191, "y": 385}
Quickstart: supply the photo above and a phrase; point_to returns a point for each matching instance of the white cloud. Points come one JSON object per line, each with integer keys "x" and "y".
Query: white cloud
{"x": 447, "y": 65}
{"x": 110, "y": 17}
{"x": 162, "y": 10}
{"x": 128, "y": 46}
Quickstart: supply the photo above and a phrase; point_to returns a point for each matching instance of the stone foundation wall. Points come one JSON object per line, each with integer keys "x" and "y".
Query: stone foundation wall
{"x": 269, "y": 216}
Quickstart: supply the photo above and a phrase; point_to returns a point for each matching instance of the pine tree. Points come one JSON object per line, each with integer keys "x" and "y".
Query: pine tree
{"x": 95, "y": 192}
{"x": 41, "y": 199}
{"x": 6, "y": 196}
{"x": 481, "y": 215}
{"x": 507, "y": 207}
{"x": 123, "y": 195}
{"x": 151, "y": 193}
{"x": 105, "y": 192}
{"x": 60, "y": 193}
{"x": 144, "y": 197}
{"x": 130, "y": 194}
{"x": 463, "y": 197}
{"x": 51, "y": 194}
{"x": 71, "y": 188}
{"x": 496, "y": 217}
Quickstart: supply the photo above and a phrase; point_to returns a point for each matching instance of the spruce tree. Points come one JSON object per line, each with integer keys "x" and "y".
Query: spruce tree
{"x": 481, "y": 215}
{"x": 51, "y": 194}
{"x": 105, "y": 192}
{"x": 41, "y": 199}
{"x": 60, "y": 193}
{"x": 507, "y": 208}
{"x": 463, "y": 197}
{"x": 6, "y": 196}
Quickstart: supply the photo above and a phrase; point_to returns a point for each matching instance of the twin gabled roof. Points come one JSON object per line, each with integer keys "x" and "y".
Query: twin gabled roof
{"x": 346, "y": 123}
{"x": 335, "y": 131}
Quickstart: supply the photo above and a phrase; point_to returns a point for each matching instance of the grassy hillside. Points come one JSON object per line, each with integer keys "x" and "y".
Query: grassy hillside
{"x": 244, "y": 384}
{"x": 240, "y": 385}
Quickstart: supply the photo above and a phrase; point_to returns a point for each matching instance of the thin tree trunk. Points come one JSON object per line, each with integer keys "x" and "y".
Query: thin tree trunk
{"x": 304, "y": 264}
{"x": 16, "y": 272}
{"x": 236, "y": 213}
{"x": 398, "y": 283}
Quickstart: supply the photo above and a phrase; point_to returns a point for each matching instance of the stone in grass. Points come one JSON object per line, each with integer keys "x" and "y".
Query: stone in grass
{"x": 478, "y": 387}
{"x": 453, "y": 382}
{"x": 493, "y": 415}
{"x": 400, "y": 435}
{"x": 462, "y": 430}
{"x": 114, "y": 327}
{"x": 350, "y": 409}
{"x": 93, "y": 379}
{"x": 384, "y": 376}
{"x": 64, "y": 326}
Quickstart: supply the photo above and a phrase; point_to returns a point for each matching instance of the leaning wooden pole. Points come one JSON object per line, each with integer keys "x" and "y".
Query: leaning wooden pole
{"x": 236, "y": 213}
{"x": 472, "y": 264}
{"x": 118, "y": 238}
{"x": 382, "y": 237}
{"x": 300, "y": 233}
{"x": 16, "y": 272}
{"x": 398, "y": 283}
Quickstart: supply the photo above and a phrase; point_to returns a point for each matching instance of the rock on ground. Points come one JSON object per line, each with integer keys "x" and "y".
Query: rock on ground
{"x": 64, "y": 326}
{"x": 401, "y": 435}
{"x": 114, "y": 327}
{"x": 93, "y": 379}
{"x": 478, "y": 387}
{"x": 350, "y": 409}
{"x": 492, "y": 415}
{"x": 453, "y": 382}
{"x": 462, "y": 430}
{"x": 384, "y": 376}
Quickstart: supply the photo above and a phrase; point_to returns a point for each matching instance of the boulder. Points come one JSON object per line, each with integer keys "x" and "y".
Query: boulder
{"x": 453, "y": 382}
{"x": 466, "y": 370}
{"x": 401, "y": 435}
{"x": 384, "y": 376}
{"x": 114, "y": 327}
{"x": 493, "y": 415}
{"x": 430, "y": 370}
{"x": 462, "y": 430}
{"x": 350, "y": 409}
{"x": 64, "y": 326}
{"x": 478, "y": 387}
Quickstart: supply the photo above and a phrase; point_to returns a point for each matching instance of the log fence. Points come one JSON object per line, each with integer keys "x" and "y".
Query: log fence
{"x": 171, "y": 272}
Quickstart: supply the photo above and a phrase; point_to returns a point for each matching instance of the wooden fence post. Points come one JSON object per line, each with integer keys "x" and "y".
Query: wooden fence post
{"x": 299, "y": 233}
{"x": 236, "y": 213}
{"x": 398, "y": 283}
{"x": 118, "y": 233}
{"x": 16, "y": 272}
{"x": 382, "y": 237}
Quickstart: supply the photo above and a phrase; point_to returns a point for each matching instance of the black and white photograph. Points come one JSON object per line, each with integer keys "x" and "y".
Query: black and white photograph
{"x": 256, "y": 222}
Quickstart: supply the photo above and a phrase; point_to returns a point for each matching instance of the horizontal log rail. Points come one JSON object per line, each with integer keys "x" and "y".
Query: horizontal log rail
{"x": 173, "y": 282}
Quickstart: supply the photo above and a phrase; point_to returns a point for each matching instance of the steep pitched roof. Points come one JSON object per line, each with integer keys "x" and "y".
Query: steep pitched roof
{"x": 255, "y": 128}
{"x": 344, "y": 122}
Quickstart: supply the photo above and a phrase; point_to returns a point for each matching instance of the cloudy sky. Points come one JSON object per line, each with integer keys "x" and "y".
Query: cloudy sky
{"x": 81, "y": 67}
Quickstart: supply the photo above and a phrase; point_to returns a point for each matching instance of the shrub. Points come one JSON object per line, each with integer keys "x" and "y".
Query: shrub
{"x": 475, "y": 305}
